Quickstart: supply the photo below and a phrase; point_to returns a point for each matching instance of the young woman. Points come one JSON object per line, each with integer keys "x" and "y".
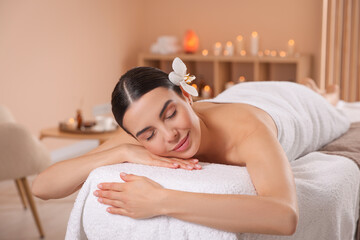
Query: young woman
{"x": 163, "y": 127}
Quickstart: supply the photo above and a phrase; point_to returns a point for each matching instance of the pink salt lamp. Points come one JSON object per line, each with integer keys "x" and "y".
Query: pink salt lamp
{"x": 191, "y": 42}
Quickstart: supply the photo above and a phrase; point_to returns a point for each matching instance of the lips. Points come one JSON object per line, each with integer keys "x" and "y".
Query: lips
{"x": 182, "y": 145}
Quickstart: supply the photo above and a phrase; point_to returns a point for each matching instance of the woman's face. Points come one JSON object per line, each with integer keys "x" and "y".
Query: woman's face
{"x": 164, "y": 123}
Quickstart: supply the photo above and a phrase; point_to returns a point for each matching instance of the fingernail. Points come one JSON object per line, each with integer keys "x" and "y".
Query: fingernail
{"x": 176, "y": 165}
{"x": 123, "y": 174}
{"x": 100, "y": 200}
{"x": 96, "y": 193}
{"x": 189, "y": 167}
{"x": 198, "y": 166}
{"x": 195, "y": 160}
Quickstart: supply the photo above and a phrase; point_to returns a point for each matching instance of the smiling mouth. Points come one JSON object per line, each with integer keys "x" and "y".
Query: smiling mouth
{"x": 183, "y": 144}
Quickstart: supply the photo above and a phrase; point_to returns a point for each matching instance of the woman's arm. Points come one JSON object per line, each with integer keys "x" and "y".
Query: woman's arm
{"x": 65, "y": 177}
{"x": 273, "y": 211}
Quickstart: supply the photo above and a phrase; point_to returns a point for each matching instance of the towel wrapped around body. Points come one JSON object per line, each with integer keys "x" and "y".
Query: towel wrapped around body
{"x": 305, "y": 120}
{"x": 327, "y": 185}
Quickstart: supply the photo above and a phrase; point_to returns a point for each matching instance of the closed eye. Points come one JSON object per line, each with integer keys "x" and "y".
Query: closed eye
{"x": 149, "y": 138}
{"x": 172, "y": 115}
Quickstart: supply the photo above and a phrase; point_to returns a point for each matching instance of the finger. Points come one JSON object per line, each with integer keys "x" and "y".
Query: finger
{"x": 116, "y": 186}
{"x": 119, "y": 211}
{"x": 114, "y": 203}
{"x": 106, "y": 194}
{"x": 185, "y": 164}
{"x": 163, "y": 162}
{"x": 129, "y": 177}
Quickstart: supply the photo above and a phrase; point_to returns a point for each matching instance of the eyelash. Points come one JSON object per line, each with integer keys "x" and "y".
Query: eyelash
{"x": 153, "y": 133}
{"x": 172, "y": 115}
{"x": 147, "y": 139}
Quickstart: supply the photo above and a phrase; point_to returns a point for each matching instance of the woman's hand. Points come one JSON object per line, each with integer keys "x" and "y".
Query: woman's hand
{"x": 138, "y": 154}
{"x": 138, "y": 197}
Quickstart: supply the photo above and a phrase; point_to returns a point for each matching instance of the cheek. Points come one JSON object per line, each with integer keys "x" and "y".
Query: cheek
{"x": 155, "y": 147}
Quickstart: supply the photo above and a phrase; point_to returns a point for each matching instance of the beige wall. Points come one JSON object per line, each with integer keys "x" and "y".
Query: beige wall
{"x": 55, "y": 53}
{"x": 276, "y": 21}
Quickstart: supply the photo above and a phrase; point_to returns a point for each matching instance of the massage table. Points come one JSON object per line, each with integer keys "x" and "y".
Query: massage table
{"x": 327, "y": 187}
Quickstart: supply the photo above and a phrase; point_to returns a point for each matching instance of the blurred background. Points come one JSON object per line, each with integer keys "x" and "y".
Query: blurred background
{"x": 60, "y": 56}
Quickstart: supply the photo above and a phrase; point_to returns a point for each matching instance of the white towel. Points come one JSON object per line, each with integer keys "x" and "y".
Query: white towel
{"x": 327, "y": 188}
{"x": 304, "y": 119}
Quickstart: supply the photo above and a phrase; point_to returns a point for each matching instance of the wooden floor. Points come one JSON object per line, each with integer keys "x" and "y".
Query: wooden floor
{"x": 17, "y": 223}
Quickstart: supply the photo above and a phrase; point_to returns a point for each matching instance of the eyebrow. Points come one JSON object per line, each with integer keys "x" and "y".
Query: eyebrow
{"x": 160, "y": 115}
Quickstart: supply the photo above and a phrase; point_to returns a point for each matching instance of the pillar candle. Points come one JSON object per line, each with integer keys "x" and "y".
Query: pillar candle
{"x": 239, "y": 44}
{"x": 217, "y": 49}
{"x": 254, "y": 43}
{"x": 206, "y": 92}
{"x": 229, "y": 49}
{"x": 291, "y": 47}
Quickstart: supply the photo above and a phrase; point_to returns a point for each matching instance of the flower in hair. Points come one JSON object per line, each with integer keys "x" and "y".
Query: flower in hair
{"x": 180, "y": 78}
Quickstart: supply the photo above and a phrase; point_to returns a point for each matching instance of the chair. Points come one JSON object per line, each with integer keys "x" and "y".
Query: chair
{"x": 21, "y": 155}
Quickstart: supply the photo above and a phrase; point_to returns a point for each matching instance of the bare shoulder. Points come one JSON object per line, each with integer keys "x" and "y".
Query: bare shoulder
{"x": 232, "y": 124}
{"x": 239, "y": 117}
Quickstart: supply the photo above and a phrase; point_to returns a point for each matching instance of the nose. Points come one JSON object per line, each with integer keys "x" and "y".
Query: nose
{"x": 171, "y": 135}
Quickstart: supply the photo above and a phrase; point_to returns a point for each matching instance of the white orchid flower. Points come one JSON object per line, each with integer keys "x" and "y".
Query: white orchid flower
{"x": 180, "y": 78}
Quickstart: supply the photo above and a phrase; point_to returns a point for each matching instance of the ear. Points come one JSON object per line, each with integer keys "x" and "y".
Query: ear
{"x": 187, "y": 96}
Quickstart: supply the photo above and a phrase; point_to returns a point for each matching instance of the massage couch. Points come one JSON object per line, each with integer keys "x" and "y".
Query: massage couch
{"x": 327, "y": 186}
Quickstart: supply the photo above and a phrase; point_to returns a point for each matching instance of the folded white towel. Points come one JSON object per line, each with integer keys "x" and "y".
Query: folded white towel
{"x": 327, "y": 187}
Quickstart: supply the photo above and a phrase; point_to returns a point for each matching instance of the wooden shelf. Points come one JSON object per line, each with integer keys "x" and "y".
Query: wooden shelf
{"x": 217, "y": 70}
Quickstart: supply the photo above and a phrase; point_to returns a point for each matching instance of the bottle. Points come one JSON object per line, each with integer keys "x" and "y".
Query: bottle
{"x": 79, "y": 119}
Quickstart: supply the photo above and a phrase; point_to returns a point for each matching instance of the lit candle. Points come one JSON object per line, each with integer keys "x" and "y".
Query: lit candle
{"x": 229, "y": 49}
{"x": 242, "y": 79}
{"x": 291, "y": 47}
{"x": 71, "y": 123}
{"x": 239, "y": 44}
{"x": 254, "y": 43}
{"x": 260, "y": 53}
{"x": 217, "y": 49}
{"x": 282, "y": 54}
{"x": 243, "y": 53}
{"x": 206, "y": 92}
{"x": 229, "y": 84}
{"x": 194, "y": 86}
{"x": 205, "y": 52}
{"x": 273, "y": 53}
{"x": 267, "y": 52}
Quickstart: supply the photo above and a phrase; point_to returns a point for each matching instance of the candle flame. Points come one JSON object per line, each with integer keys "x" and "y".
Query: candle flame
{"x": 241, "y": 79}
{"x": 267, "y": 52}
{"x": 243, "y": 53}
{"x": 207, "y": 88}
{"x": 282, "y": 54}
{"x": 194, "y": 86}
{"x": 273, "y": 53}
{"x": 205, "y": 52}
{"x": 218, "y": 44}
{"x": 229, "y": 44}
{"x": 239, "y": 38}
{"x": 254, "y": 34}
{"x": 291, "y": 42}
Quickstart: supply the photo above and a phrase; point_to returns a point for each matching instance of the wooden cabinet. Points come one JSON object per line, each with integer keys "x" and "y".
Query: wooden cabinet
{"x": 217, "y": 70}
